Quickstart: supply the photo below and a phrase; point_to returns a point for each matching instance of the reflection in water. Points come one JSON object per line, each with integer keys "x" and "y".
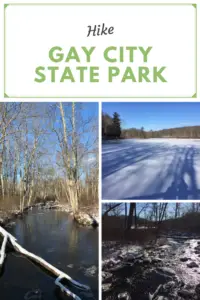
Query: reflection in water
{"x": 73, "y": 240}
{"x": 55, "y": 237}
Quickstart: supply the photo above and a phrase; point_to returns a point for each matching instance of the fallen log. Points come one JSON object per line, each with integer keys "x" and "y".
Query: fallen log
{"x": 40, "y": 261}
{"x": 3, "y": 250}
{"x": 64, "y": 289}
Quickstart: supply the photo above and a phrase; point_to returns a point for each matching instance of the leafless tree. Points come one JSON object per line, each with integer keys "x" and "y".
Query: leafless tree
{"x": 48, "y": 149}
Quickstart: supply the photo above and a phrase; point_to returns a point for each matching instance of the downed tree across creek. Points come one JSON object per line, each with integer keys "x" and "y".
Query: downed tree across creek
{"x": 7, "y": 237}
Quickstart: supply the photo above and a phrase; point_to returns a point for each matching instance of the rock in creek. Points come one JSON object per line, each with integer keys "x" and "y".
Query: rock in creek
{"x": 186, "y": 294}
{"x": 192, "y": 265}
{"x": 91, "y": 271}
{"x": 156, "y": 260}
{"x": 106, "y": 277}
{"x": 167, "y": 287}
{"x": 147, "y": 260}
{"x": 85, "y": 219}
{"x": 183, "y": 259}
{"x": 124, "y": 296}
{"x": 167, "y": 271}
{"x": 106, "y": 287}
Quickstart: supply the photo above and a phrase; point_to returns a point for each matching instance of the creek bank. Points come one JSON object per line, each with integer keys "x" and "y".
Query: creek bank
{"x": 167, "y": 270}
{"x": 84, "y": 218}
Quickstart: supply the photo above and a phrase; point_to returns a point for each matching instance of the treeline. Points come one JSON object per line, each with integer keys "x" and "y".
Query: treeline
{"x": 150, "y": 215}
{"x": 48, "y": 150}
{"x": 179, "y": 132}
{"x": 132, "y": 214}
{"x": 111, "y": 126}
{"x": 110, "y": 130}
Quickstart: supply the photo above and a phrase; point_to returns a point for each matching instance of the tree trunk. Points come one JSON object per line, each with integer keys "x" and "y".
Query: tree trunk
{"x": 125, "y": 217}
{"x": 135, "y": 218}
{"x": 130, "y": 217}
{"x": 66, "y": 157}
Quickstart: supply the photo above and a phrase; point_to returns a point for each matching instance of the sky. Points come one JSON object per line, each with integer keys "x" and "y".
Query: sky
{"x": 139, "y": 208}
{"x": 155, "y": 115}
{"x": 85, "y": 111}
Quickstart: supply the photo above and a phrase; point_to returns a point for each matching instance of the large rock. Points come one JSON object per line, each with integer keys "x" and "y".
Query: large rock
{"x": 107, "y": 263}
{"x": 183, "y": 259}
{"x": 128, "y": 257}
{"x": 192, "y": 265}
{"x": 106, "y": 287}
{"x": 91, "y": 271}
{"x": 106, "y": 277}
{"x": 156, "y": 260}
{"x": 186, "y": 294}
{"x": 167, "y": 271}
{"x": 121, "y": 267}
{"x": 147, "y": 260}
{"x": 124, "y": 296}
{"x": 85, "y": 219}
{"x": 167, "y": 287}
{"x": 164, "y": 248}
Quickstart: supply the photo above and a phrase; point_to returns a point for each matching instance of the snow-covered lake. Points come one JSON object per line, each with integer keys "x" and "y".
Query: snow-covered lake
{"x": 151, "y": 169}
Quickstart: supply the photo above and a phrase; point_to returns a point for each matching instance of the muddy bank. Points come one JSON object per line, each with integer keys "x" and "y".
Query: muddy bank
{"x": 166, "y": 270}
{"x": 85, "y": 217}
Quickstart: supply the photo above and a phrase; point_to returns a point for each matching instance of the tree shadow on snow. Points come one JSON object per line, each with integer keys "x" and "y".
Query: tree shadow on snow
{"x": 184, "y": 184}
{"x": 122, "y": 158}
{"x": 181, "y": 169}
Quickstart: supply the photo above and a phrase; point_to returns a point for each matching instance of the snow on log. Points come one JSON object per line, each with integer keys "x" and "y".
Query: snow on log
{"x": 64, "y": 289}
{"x": 3, "y": 250}
{"x": 56, "y": 272}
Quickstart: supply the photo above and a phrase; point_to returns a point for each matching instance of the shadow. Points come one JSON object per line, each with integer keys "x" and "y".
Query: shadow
{"x": 124, "y": 157}
{"x": 180, "y": 172}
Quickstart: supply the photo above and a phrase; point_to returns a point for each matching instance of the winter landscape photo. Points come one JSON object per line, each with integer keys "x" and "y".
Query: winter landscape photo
{"x": 150, "y": 251}
{"x": 49, "y": 200}
{"x": 151, "y": 151}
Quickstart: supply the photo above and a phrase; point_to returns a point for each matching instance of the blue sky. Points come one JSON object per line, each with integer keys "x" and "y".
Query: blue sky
{"x": 155, "y": 115}
{"x": 170, "y": 208}
{"x": 85, "y": 112}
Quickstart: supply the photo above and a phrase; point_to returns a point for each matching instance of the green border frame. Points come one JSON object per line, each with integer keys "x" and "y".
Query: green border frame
{"x": 102, "y": 4}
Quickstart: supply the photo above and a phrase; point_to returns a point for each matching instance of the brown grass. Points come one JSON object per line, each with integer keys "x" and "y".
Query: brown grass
{"x": 113, "y": 230}
{"x": 9, "y": 203}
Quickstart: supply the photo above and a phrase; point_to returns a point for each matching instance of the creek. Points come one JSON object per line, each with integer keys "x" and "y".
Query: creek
{"x": 54, "y": 236}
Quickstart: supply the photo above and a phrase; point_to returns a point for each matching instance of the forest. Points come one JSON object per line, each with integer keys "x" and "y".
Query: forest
{"x": 124, "y": 217}
{"x": 48, "y": 151}
{"x": 151, "y": 251}
{"x": 112, "y": 128}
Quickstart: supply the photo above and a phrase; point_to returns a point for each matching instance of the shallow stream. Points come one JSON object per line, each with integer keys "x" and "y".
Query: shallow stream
{"x": 54, "y": 236}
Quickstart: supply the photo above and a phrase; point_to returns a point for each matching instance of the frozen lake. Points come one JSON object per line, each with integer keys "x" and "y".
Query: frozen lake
{"x": 151, "y": 169}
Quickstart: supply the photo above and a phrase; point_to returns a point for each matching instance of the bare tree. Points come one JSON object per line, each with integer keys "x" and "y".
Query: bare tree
{"x": 48, "y": 149}
{"x": 132, "y": 209}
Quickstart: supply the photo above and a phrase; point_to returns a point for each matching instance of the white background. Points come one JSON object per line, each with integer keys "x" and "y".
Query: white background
{"x": 114, "y": 99}
{"x": 32, "y": 30}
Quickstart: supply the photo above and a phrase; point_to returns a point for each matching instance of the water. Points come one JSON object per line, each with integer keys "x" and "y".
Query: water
{"x": 54, "y": 236}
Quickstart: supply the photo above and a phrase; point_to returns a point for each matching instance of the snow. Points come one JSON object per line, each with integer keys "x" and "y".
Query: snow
{"x": 151, "y": 169}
